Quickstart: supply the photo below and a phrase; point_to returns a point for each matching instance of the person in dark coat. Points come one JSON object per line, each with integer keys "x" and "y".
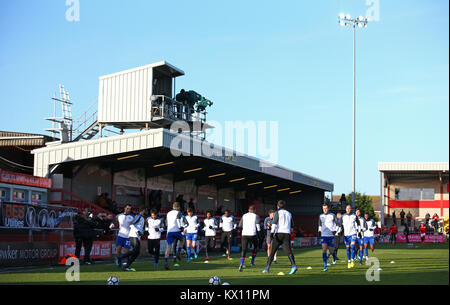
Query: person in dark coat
{"x": 84, "y": 234}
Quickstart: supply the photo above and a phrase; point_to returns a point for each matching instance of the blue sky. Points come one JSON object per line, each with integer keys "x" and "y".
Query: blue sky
{"x": 285, "y": 61}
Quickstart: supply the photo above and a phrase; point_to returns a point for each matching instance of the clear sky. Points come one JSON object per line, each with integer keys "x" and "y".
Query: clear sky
{"x": 285, "y": 61}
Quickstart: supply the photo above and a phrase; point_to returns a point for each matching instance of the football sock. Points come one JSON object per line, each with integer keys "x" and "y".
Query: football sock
{"x": 353, "y": 251}
{"x": 189, "y": 252}
{"x": 349, "y": 256}
{"x": 324, "y": 256}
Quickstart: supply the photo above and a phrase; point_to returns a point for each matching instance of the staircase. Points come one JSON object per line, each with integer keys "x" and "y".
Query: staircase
{"x": 69, "y": 199}
{"x": 90, "y": 132}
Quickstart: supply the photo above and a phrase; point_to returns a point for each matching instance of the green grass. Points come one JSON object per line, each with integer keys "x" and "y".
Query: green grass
{"x": 424, "y": 265}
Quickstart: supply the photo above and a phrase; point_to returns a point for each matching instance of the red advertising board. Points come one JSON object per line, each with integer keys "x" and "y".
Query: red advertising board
{"x": 100, "y": 249}
{"x": 415, "y": 238}
{"x": 23, "y": 179}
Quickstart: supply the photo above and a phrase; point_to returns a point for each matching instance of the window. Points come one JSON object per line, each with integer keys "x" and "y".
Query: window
{"x": 4, "y": 194}
{"x": 406, "y": 194}
{"x": 36, "y": 196}
{"x": 20, "y": 195}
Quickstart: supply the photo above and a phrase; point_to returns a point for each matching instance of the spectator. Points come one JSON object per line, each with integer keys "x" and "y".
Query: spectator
{"x": 427, "y": 219}
{"x": 84, "y": 234}
{"x": 111, "y": 204}
{"x": 402, "y": 217}
{"x": 158, "y": 200}
{"x": 219, "y": 211}
{"x": 342, "y": 201}
{"x": 181, "y": 201}
{"x": 435, "y": 222}
{"x": 103, "y": 222}
{"x": 101, "y": 201}
{"x": 409, "y": 218}
{"x": 191, "y": 205}
{"x": 394, "y": 219}
{"x": 377, "y": 233}
{"x": 394, "y": 231}
{"x": 406, "y": 232}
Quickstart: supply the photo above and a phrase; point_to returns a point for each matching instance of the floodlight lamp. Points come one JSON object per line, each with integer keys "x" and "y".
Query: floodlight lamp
{"x": 348, "y": 16}
{"x": 360, "y": 18}
{"x": 342, "y": 15}
{"x": 342, "y": 23}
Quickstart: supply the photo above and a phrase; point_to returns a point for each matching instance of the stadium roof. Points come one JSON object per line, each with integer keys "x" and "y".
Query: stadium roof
{"x": 10, "y": 138}
{"x": 152, "y": 149}
{"x": 413, "y": 166}
{"x": 160, "y": 66}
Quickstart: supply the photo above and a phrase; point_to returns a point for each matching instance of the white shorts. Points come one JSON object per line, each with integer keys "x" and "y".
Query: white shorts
{"x": 422, "y": 235}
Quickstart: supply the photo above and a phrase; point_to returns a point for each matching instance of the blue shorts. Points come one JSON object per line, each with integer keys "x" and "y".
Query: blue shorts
{"x": 368, "y": 240}
{"x": 329, "y": 240}
{"x": 172, "y": 236}
{"x": 191, "y": 236}
{"x": 349, "y": 239}
{"x": 123, "y": 242}
{"x": 361, "y": 241}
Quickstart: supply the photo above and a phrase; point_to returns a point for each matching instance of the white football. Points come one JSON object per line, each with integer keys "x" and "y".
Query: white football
{"x": 226, "y": 283}
{"x": 112, "y": 280}
{"x": 214, "y": 280}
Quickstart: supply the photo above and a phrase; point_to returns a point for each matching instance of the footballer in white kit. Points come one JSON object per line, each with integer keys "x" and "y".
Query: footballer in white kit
{"x": 154, "y": 226}
{"x": 361, "y": 228}
{"x": 369, "y": 234}
{"x": 228, "y": 225}
{"x": 350, "y": 230}
{"x": 123, "y": 241}
{"x": 191, "y": 233}
{"x": 327, "y": 230}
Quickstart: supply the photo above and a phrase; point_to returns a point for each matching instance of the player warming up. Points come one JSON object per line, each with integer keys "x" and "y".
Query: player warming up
{"x": 136, "y": 231}
{"x": 369, "y": 235}
{"x": 281, "y": 229}
{"x": 228, "y": 225}
{"x": 250, "y": 228}
{"x": 361, "y": 228}
{"x": 349, "y": 225}
{"x": 123, "y": 241}
{"x": 175, "y": 225}
{"x": 268, "y": 227}
{"x": 327, "y": 231}
{"x": 155, "y": 226}
{"x": 191, "y": 234}
{"x": 210, "y": 226}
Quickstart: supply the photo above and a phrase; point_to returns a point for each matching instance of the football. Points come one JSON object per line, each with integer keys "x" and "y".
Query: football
{"x": 226, "y": 283}
{"x": 112, "y": 280}
{"x": 214, "y": 280}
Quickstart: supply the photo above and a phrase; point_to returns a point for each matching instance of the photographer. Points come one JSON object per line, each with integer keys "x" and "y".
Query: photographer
{"x": 103, "y": 222}
{"x": 84, "y": 234}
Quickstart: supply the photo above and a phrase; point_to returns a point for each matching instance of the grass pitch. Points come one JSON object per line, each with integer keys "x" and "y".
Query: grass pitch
{"x": 425, "y": 265}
